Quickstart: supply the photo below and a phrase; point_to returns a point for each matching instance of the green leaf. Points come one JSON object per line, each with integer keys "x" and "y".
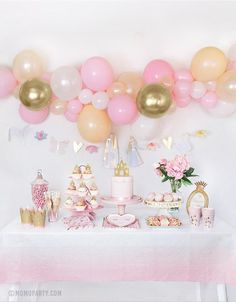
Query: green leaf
{"x": 186, "y": 181}
{"x": 189, "y": 172}
{"x": 165, "y": 179}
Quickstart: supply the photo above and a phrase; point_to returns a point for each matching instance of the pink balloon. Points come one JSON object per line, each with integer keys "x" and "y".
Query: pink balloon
{"x": 209, "y": 100}
{"x": 7, "y": 82}
{"x": 47, "y": 77}
{"x": 97, "y": 74}
{"x": 182, "y": 101}
{"x": 71, "y": 117}
{"x": 182, "y": 88}
{"x": 33, "y": 117}
{"x": 74, "y": 106}
{"x": 156, "y": 70}
{"x": 231, "y": 65}
{"x": 122, "y": 109}
{"x": 183, "y": 74}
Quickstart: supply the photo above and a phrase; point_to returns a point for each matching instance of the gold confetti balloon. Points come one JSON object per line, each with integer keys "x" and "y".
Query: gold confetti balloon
{"x": 153, "y": 100}
{"x": 35, "y": 94}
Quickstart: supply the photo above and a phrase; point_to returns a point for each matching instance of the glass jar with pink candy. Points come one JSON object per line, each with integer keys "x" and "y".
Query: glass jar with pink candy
{"x": 38, "y": 187}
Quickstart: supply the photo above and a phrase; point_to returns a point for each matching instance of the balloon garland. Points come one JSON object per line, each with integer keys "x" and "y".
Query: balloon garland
{"x": 94, "y": 99}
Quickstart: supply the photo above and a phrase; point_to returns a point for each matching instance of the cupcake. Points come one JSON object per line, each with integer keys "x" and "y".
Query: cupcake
{"x": 168, "y": 197}
{"x": 82, "y": 190}
{"x": 68, "y": 203}
{"x": 94, "y": 203}
{"x": 81, "y": 205}
{"x": 76, "y": 170}
{"x": 87, "y": 173}
{"x": 72, "y": 186}
{"x": 93, "y": 189}
{"x": 159, "y": 197}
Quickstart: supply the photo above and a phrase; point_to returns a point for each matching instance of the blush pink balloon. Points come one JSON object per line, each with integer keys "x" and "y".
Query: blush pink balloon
{"x": 33, "y": 117}
{"x": 71, "y": 117}
{"x": 97, "y": 74}
{"x": 7, "y": 82}
{"x": 122, "y": 109}
{"x": 182, "y": 88}
{"x": 183, "y": 74}
{"x": 47, "y": 77}
{"x": 156, "y": 70}
{"x": 231, "y": 65}
{"x": 182, "y": 101}
{"x": 209, "y": 100}
{"x": 74, "y": 106}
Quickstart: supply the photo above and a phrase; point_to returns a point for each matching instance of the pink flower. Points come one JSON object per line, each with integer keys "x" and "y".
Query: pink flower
{"x": 176, "y": 167}
{"x": 158, "y": 172}
{"x": 163, "y": 162}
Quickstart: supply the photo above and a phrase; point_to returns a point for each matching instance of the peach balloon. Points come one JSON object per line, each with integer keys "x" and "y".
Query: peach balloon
{"x": 208, "y": 64}
{"x": 94, "y": 125}
{"x": 27, "y": 65}
{"x": 116, "y": 88}
{"x": 226, "y": 86}
{"x": 133, "y": 82}
{"x": 58, "y": 107}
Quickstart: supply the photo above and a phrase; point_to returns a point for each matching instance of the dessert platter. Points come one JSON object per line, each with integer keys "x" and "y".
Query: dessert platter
{"x": 121, "y": 196}
{"x": 168, "y": 205}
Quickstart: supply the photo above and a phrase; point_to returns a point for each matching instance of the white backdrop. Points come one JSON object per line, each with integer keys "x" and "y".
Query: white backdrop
{"x": 128, "y": 34}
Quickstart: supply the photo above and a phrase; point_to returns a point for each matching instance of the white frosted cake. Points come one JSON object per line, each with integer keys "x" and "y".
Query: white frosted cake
{"x": 122, "y": 183}
{"x": 122, "y": 186}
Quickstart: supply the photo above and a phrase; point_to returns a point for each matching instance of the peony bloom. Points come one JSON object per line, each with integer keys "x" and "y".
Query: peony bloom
{"x": 163, "y": 162}
{"x": 174, "y": 170}
{"x": 158, "y": 172}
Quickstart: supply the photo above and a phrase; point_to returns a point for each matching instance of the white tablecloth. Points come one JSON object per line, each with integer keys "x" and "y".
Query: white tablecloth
{"x": 102, "y": 254}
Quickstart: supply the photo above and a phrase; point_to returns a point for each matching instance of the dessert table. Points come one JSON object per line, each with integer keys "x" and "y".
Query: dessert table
{"x": 29, "y": 254}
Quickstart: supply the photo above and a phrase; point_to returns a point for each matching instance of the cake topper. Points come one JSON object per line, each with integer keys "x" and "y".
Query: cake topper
{"x": 121, "y": 169}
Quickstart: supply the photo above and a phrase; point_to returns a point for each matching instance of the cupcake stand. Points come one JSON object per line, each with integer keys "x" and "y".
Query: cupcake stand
{"x": 121, "y": 218}
{"x": 82, "y": 201}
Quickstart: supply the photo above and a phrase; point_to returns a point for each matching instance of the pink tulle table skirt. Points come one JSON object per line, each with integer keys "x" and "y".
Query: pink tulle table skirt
{"x": 105, "y": 254}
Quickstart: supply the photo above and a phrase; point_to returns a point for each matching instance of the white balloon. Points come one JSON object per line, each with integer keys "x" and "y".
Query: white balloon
{"x": 100, "y": 100}
{"x": 85, "y": 96}
{"x": 66, "y": 83}
{"x": 222, "y": 109}
{"x": 198, "y": 90}
{"x": 145, "y": 128}
{"x": 232, "y": 53}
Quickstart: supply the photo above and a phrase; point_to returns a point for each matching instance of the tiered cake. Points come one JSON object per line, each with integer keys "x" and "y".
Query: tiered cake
{"x": 122, "y": 183}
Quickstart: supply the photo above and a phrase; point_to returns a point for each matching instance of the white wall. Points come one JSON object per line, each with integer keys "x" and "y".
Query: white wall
{"x": 128, "y": 34}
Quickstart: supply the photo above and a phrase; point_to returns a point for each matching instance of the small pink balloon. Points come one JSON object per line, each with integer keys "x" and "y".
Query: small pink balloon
{"x": 74, "y": 106}
{"x": 47, "y": 77}
{"x": 182, "y": 101}
{"x": 7, "y": 82}
{"x": 182, "y": 88}
{"x": 183, "y": 74}
{"x": 156, "y": 70}
{"x": 122, "y": 109}
{"x": 33, "y": 117}
{"x": 71, "y": 117}
{"x": 209, "y": 100}
{"x": 97, "y": 74}
{"x": 231, "y": 65}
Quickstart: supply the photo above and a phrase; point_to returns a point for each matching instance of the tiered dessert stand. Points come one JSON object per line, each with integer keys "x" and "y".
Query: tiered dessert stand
{"x": 82, "y": 198}
{"x": 166, "y": 215}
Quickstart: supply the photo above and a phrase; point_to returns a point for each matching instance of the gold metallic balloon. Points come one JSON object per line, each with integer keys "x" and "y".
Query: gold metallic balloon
{"x": 35, "y": 94}
{"x": 153, "y": 100}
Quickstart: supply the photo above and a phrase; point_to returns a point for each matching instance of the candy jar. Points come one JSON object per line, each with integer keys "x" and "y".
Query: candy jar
{"x": 39, "y": 186}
